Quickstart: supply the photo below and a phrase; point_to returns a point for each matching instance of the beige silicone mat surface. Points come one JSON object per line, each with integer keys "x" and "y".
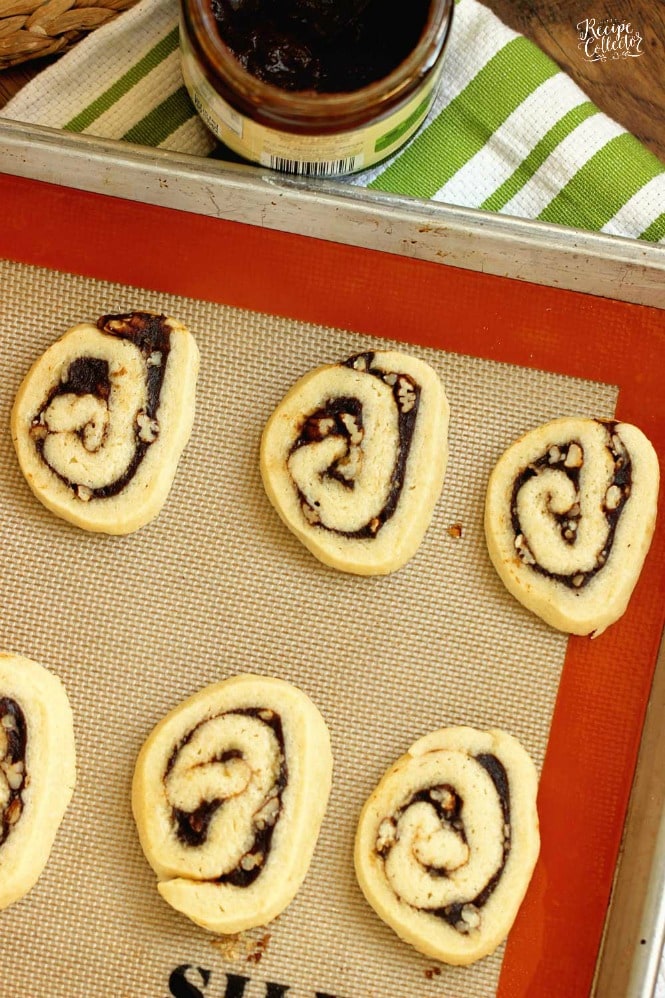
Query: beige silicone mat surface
{"x": 217, "y": 586}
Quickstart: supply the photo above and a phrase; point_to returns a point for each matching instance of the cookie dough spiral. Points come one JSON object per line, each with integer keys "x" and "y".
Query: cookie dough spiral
{"x": 353, "y": 459}
{"x": 102, "y": 417}
{"x": 37, "y": 771}
{"x": 447, "y": 842}
{"x": 569, "y": 517}
{"x": 229, "y": 794}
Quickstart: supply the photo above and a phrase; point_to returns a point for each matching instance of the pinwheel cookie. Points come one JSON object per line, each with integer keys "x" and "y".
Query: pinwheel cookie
{"x": 229, "y": 793}
{"x": 447, "y": 843}
{"x": 102, "y": 418}
{"x": 37, "y": 771}
{"x": 353, "y": 459}
{"x": 569, "y": 517}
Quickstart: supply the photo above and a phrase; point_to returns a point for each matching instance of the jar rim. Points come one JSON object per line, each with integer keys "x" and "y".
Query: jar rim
{"x": 296, "y": 109}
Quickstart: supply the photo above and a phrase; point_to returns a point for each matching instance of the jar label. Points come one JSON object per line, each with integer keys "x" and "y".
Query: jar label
{"x": 308, "y": 155}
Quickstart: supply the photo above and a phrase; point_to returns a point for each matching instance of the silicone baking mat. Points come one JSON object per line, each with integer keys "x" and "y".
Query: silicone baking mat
{"x": 218, "y": 586}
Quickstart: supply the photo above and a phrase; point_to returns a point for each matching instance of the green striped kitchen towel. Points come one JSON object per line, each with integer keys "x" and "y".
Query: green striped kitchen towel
{"x": 508, "y": 131}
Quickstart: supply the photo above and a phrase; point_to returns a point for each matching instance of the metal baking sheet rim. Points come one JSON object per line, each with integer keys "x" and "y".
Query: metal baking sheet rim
{"x": 634, "y": 935}
{"x": 551, "y": 255}
{"x": 538, "y": 252}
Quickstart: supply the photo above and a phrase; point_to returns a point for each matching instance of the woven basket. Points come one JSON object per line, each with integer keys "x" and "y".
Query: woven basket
{"x": 30, "y": 29}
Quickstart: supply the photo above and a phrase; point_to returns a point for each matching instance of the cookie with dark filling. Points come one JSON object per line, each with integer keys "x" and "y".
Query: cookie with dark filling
{"x": 569, "y": 516}
{"x": 102, "y": 417}
{"x": 37, "y": 771}
{"x": 447, "y": 842}
{"x": 229, "y": 793}
{"x": 353, "y": 459}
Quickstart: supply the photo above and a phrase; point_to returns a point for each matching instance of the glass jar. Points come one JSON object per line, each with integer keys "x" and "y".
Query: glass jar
{"x": 298, "y": 131}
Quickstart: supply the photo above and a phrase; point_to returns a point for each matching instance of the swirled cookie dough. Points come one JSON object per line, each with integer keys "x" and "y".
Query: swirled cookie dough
{"x": 229, "y": 793}
{"x": 569, "y": 517}
{"x": 37, "y": 771}
{"x": 103, "y": 416}
{"x": 447, "y": 843}
{"x": 353, "y": 459}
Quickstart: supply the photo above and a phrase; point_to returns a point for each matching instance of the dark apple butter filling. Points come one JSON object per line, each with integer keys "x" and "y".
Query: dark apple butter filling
{"x": 90, "y": 376}
{"x": 449, "y": 807}
{"x": 453, "y": 913}
{"x": 191, "y": 827}
{"x": 335, "y": 413}
{"x": 15, "y": 740}
{"x": 557, "y": 458}
{"x": 327, "y": 46}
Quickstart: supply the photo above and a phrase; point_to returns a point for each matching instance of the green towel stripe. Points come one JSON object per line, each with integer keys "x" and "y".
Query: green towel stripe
{"x": 139, "y": 70}
{"x": 164, "y": 119}
{"x": 464, "y": 126}
{"x": 603, "y": 185}
{"x": 656, "y": 231}
{"x": 543, "y": 148}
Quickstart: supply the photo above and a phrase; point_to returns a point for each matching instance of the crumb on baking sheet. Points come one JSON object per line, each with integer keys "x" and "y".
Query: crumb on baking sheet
{"x": 260, "y": 946}
{"x": 432, "y": 972}
{"x": 241, "y": 947}
{"x": 456, "y": 530}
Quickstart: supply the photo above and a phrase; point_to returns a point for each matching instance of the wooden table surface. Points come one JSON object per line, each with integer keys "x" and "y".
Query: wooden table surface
{"x": 629, "y": 89}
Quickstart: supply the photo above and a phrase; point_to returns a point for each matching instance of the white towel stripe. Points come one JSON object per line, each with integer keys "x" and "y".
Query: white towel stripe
{"x": 648, "y": 202}
{"x": 476, "y": 37}
{"x": 511, "y": 143}
{"x": 164, "y": 80}
{"x": 562, "y": 164}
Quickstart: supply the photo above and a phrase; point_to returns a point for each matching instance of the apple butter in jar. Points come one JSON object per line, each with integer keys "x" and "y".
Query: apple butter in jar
{"x": 315, "y": 87}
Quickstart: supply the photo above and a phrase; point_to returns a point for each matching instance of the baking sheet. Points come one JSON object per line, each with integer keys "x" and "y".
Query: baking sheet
{"x": 552, "y": 255}
{"x": 200, "y": 621}
{"x": 217, "y": 586}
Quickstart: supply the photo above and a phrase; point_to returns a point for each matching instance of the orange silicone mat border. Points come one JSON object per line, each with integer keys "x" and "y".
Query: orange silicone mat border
{"x": 598, "y": 717}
